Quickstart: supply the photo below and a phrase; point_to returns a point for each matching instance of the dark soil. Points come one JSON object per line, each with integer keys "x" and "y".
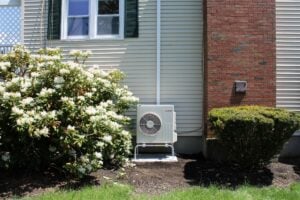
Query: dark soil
{"x": 156, "y": 178}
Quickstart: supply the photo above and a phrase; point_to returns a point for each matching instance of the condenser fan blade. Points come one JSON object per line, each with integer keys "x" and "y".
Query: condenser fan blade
{"x": 150, "y": 123}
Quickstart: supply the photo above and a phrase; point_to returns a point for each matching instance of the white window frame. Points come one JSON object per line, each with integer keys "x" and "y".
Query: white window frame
{"x": 93, "y": 15}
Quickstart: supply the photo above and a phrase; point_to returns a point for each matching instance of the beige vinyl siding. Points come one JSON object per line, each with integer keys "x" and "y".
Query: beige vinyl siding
{"x": 35, "y": 22}
{"x": 181, "y": 55}
{"x": 181, "y": 61}
{"x": 288, "y": 55}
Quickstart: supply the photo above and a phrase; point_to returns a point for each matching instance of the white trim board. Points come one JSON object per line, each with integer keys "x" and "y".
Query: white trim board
{"x": 10, "y": 2}
{"x": 22, "y": 21}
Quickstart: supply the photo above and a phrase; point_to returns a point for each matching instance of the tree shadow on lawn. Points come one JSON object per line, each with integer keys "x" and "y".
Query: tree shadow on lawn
{"x": 206, "y": 173}
{"x": 295, "y": 161}
{"x": 20, "y": 183}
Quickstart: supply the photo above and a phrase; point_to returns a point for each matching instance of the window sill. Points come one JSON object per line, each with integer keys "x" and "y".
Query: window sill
{"x": 108, "y": 38}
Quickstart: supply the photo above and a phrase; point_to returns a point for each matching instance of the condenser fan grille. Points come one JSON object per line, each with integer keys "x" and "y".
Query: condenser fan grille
{"x": 150, "y": 123}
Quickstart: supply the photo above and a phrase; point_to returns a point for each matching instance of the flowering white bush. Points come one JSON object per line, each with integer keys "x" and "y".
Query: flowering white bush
{"x": 61, "y": 114}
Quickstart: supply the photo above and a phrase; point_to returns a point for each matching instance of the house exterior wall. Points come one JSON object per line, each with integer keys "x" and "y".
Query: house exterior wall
{"x": 288, "y": 65}
{"x": 181, "y": 56}
{"x": 35, "y": 23}
{"x": 288, "y": 61}
{"x": 240, "y": 45}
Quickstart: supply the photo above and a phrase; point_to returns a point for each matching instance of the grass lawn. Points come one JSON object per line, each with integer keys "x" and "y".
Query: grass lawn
{"x": 123, "y": 192}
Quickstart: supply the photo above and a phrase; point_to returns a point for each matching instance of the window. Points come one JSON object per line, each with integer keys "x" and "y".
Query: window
{"x": 78, "y": 18}
{"x": 93, "y": 19}
{"x": 84, "y": 19}
{"x": 108, "y": 17}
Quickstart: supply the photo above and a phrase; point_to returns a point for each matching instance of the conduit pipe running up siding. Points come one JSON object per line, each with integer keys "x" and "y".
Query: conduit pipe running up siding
{"x": 158, "y": 50}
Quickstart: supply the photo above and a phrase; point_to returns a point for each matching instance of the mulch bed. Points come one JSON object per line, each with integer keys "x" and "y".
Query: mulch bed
{"x": 154, "y": 178}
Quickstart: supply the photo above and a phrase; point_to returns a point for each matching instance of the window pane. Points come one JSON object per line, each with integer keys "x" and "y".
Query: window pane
{"x": 108, "y": 7}
{"x": 78, "y": 26}
{"x": 78, "y": 7}
{"x": 108, "y": 25}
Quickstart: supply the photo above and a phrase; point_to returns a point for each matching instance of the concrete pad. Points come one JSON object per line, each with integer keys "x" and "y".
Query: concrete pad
{"x": 154, "y": 158}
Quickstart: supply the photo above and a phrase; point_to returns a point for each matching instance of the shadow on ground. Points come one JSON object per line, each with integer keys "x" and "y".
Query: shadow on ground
{"x": 22, "y": 183}
{"x": 206, "y": 173}
{"x": 294, "y": 161}
{"x": 156, "y": 178}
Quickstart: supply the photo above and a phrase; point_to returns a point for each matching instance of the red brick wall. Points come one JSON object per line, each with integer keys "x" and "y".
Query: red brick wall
{"x": 240, "y": 45}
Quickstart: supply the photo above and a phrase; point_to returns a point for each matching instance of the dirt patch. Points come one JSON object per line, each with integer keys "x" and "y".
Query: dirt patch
{"x": 156, "y": 178}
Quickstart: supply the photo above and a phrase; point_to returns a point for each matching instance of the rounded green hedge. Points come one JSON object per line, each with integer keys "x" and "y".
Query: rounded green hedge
{"x": 252, "y": 135}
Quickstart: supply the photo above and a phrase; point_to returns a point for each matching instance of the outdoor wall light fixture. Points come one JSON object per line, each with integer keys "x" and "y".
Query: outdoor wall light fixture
{"x": 240, "y": 86}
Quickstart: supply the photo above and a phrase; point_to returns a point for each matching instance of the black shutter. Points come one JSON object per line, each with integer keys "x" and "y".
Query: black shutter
{"x": 131, "y": 19}
{"x": 54, "y": 19}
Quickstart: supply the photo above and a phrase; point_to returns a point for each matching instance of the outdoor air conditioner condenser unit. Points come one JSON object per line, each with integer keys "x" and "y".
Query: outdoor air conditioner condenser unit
{"x": 156, "y": 124}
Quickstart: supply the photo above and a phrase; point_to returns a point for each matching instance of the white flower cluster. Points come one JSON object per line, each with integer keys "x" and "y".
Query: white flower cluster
{"x": 91, "y": 110}
{"x": 48, "y": 115}
{"x": 106, "y": 83}
{"x": 45, "y": 92}
{"x": 71, "y": 130}
{"x": 79, "y": 53}
{"x": 59, "y": 80}
{"x": 98, "y": 118}
{"x": 98, "y": 155}
{"x": 107, "y": 138}
{"x": 64, "y": 71}
{"x": 20, "y": 48}
{"x": 81, "y": 98}
{"x": 73, "y": 66}
{"x": 49, "y": 51}
{"x": 88, "y": 74}
{"x": 33, "y": 117}
{"x": 113, "y": 126}
{"x": 100, "y": 110}
{"x": 16, "y": 81}
{"x": 45, "y": 58}
{"x": 35, "y": 74}
{"x": 98, "y": 72}
{"x": 42, "y": 132}
{"x": 68, "y": 101}
{"x": 27, "y": 101}
{"x": 25, "y": 84}
{"x": 17, "y": 111}
{"x": 10, "y": 95}
{"x": 88, "y": 94}
{"x": 25, "y": 120}
{"x": 115, "y": 116}
{"x": 4, "y": 65}
{"x": 125, "y": 133}
{"x": 127, "y": 96}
